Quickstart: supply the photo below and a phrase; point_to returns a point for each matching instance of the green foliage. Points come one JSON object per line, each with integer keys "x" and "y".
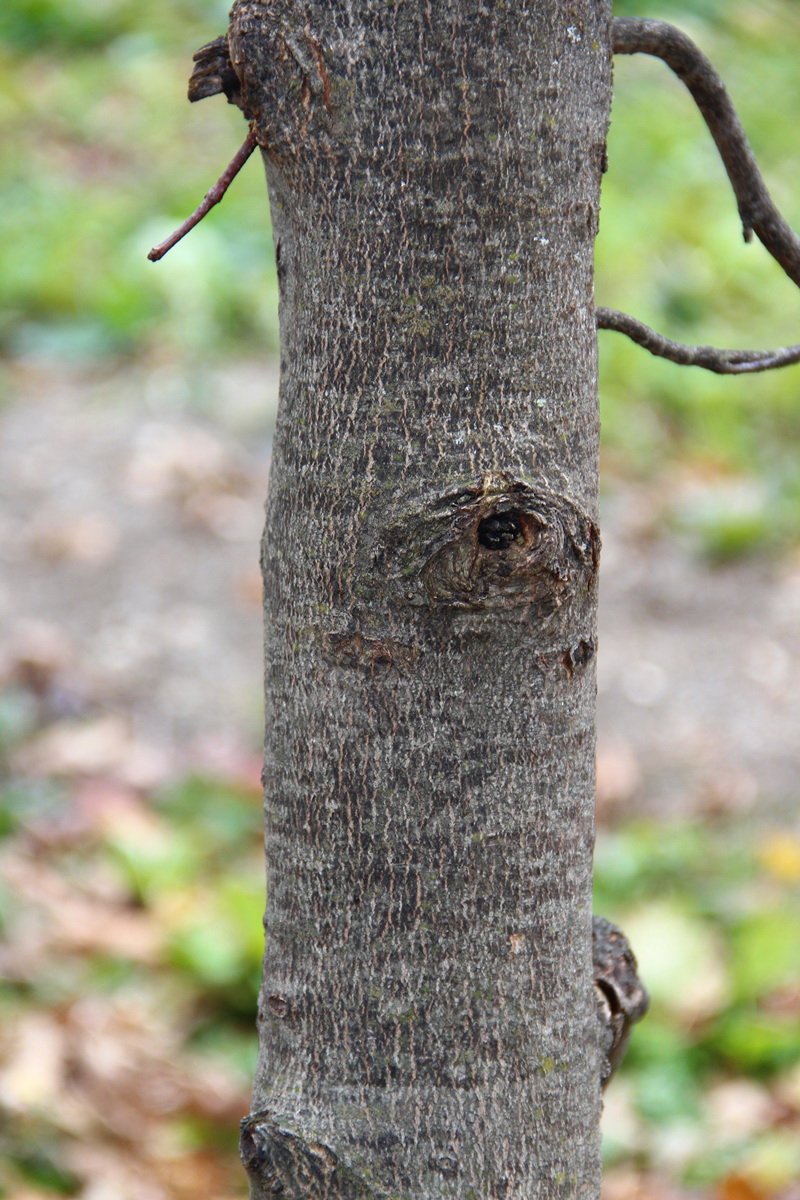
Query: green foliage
{"x": 200, "y": 867}
{"x": 765, "y": 953}
{"x": 37, "y": 1166}
{"x": 32, "y": 1160}
{"x": 26, "y": 801}
{"x": 31, "y": 25}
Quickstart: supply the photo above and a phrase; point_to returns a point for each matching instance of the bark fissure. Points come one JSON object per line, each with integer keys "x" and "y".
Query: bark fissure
{"x": 428, "y": 1022}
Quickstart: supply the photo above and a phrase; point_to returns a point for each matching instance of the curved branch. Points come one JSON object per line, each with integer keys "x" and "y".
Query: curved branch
{"x": 634, "y": 35}
{"x": 722, "y": 362}
{"x": 631, "y": 35}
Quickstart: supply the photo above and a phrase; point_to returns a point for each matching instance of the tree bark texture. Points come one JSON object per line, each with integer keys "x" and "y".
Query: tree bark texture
{"x": 427, "y": 1018}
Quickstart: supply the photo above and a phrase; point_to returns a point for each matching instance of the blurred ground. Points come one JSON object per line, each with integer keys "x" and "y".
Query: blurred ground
{"x": 699, "y": 672}
{"x": 136, "y": 525}
{"x": 130, "y": 535}
{"x": 136, "y": 405}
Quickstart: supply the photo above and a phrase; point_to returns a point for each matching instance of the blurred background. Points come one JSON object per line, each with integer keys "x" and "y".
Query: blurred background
{"x": 136, "y": 407}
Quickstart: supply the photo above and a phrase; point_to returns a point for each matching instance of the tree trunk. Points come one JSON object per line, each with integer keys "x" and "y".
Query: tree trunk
{"x": 427, "y": 1018}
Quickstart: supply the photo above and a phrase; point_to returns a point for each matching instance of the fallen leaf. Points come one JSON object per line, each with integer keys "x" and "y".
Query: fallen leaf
{"x": 618, "y": 774}
{"x": 681, "y": 958}
{"x": 739, "y": 1107}
{"x": 31, "y": 1075}
{"x": 779, "y": 853}
{"x": 623, "y": 1183}
{"x": 736, "y": 1187}
{"x": 62, "y": 917}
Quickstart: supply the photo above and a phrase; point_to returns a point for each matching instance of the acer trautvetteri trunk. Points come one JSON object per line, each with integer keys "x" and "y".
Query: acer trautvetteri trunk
{"x": 427, "y": 1019}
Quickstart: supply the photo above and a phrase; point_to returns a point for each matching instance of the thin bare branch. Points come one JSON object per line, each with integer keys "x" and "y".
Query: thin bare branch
{"x": 722, "y": 362}
{"x": 211, "y": 198}
{"x": 631, "y": 35}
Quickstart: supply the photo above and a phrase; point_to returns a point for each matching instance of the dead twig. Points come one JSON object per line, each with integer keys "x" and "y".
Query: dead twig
{"x": 632, "y": 35}
{"x": 722, "y": 362}
{"x": 211, "y": 198}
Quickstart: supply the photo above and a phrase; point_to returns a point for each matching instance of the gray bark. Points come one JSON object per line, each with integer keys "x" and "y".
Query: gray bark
{"x": 427, "y": 1017}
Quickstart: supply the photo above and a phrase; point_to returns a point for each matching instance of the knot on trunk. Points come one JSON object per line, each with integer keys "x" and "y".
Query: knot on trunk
{"x": 281, "y": 1165}
{"x": 510, "y": 545}
{"x": 622, "y": 999}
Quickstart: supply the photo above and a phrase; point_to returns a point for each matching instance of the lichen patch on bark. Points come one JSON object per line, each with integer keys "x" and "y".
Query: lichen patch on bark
{"x": 353, "y": 649}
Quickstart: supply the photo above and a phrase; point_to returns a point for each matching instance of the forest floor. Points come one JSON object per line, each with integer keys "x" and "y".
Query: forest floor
{"x": 130, "y": 651}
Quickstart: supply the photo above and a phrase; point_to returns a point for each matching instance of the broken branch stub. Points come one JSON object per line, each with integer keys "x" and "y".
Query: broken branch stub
{"x": 214, "y": 74}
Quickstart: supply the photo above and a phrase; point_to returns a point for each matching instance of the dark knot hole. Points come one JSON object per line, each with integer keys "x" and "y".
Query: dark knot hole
{"x": 499, "y": 530}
